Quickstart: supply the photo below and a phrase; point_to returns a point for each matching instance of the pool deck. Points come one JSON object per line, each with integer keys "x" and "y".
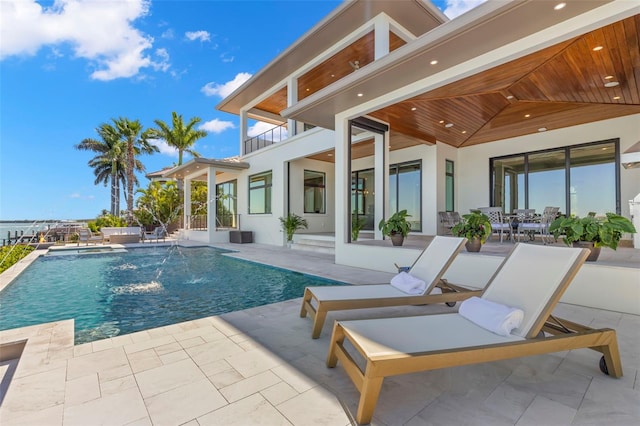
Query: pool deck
{"x": 260, "y": 366}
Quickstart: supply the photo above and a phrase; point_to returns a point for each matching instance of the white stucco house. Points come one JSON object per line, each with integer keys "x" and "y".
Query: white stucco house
{"x": 389, "y": 105}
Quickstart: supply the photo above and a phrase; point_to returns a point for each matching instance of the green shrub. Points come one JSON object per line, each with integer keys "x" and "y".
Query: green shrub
{"x": 10, "y": 255}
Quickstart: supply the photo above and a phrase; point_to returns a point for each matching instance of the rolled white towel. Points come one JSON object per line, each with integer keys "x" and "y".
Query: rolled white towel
{"x": 409, "y": 284}
{"x": 495, "y": 317}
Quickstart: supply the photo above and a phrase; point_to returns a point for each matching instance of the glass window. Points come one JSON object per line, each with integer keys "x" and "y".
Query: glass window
{"x": 260, "y": 193}
{"x": 226, "y": 204}
{"x": 314, "y": 192}
{"x": 404, "y": 191}
{"x": 563, "y": 177}
{"x": 449, "y": 185}
{"x": 362, "y": 196}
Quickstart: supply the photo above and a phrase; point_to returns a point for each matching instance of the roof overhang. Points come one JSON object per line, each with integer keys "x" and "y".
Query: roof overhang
{"x": 490, "y": 26}
{"x": 200, "y": 166}
{"x": 416, "y": 16}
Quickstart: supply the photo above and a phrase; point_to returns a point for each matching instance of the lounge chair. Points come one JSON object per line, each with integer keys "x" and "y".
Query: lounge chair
{"x": 430, "y": 265}
{"x": 393, "y": 346}
{"x": 86, "y": 236}
{"x": 156, "y": 234}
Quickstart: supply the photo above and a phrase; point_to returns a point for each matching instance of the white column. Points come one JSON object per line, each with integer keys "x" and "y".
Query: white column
{"x": 342, "y": 181}
{"x": 211, "y": 202}
{"x": 381, "y": 165}
{"x": 292, "y": 99}
{"x": 243, "y": 130}
{"x": 187, "y": 203}
{"x": 381, "y": 37}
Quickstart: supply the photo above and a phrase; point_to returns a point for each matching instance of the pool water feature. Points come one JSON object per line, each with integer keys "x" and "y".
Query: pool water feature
{"x": 118, "y": 293}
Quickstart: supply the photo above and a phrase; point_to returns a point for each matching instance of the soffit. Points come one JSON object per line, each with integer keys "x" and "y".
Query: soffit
{"x": 416, "y": 16}
{"x": 559, "y": 86}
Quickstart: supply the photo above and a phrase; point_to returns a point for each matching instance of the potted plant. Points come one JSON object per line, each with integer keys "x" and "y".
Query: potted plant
{"x": 291, "y": 224}
{"x": 357, "y": 223}
{"x": 396, "y": 227}
{"x": 592, "y": 232}
{"x": 475, "y": 227}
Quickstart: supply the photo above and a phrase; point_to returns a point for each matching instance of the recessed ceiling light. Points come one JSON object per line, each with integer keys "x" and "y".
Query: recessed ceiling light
{"x": 595, "y": 49}
{"x": 463, "y": 132}
{"x": 441, "y": 121}
{"x": 559, "y": 6}
{"x": 609, "y": 77}
{"x": 611, "y": 84}
{"x": 510, "y": 97}
{"x": 360, "y": 95}
{"x": 434, "y": 62}
{"x": 616, "y": 97}
{"x": 527, "y": 115}
{"x": 414, "y": 108}
{"x": 308, "y": 89}
{"x": 542, "y": 129}
{"x": 448, "y": 125}
{"x": 333, "y": 75}
{"x": 330, "y": 155}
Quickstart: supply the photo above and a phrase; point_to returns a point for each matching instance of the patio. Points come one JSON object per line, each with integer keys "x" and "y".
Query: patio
{"x": 260, "y": 366}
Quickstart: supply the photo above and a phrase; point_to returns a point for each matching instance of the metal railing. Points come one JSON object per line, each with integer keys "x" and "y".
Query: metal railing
{"x": 226, "y": 221}
{"x": 265, "y": 139}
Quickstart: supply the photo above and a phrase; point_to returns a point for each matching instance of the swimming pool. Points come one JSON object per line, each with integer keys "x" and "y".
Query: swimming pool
{"x": 116, "y": 293}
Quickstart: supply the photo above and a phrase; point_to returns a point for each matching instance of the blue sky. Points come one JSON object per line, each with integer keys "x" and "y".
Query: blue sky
{"x": 67, "y": 66}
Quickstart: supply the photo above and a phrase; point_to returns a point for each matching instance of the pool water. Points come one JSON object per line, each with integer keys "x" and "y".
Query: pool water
{"x": 119, "y": 293}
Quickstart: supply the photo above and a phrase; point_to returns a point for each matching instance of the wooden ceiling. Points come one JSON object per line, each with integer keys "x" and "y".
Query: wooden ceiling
{"x": 563, "y": 85}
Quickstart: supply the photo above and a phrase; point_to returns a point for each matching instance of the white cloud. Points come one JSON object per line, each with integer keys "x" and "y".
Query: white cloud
{"x": 261, "y": 127}
{"x": 164, "y": 148}
{"x": 168, "y": 34}
{"x": 198, "y": 35}
{"x": 74, "y": 195}
{"x": 226, "y": 59}
{"x": 163, "y": 63}
{"x": 99, "y": 31}
{"x": 458, "y": 7}
{"x": 224, "y": 90}
{"x": 216, "y": 126}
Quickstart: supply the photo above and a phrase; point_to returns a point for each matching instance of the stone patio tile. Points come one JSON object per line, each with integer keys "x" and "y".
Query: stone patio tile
{"x": 154, "y": 333}
{"x": 124, "y": 339}
{"x": 509, "y": 401}
{"x": 215, "y": 367}
{"x": 316, "y": 406}
{"x": 115, "y": 373}
{"x": 253, "y": 410}
{"x": 252, "y": 362}
{"x": 148, "y": 344}
{"x": 141, "y": 422}
{"x": 173, "y": 357}
{"x": 144, "y": 335}
{"x": 116, "y": 409}
{"x": 248, "y": 386}
{"x": 224, "y": 326}
{"x": 213, "y": 351}
{"x": 607, "y": 403}
{"x": 167, "y": 377}
{"x": 83, "y": 349}
{"x": 185, "y": 403}
{"x": 225, "y": 378}
{"x": 193, "y": 341}
{"x": 214, "y": 335}
{"x": 168, "y": 348}
{"x": 96, "y": 362}
{"x": 47, "y": 416}
{"x": 34, "y": 392}
{"x": 198, "y": 331}
{"x": 144, "y": 360}
{"x": 279, "y": 393}
{"x": 543, "y": 411}
{"x": 82, "y": 390}
{"x": 101, "y": 345}
{"x": 108, "y": 387}
{"x": 38, "y": 363}
{"x": 294, "y": 377}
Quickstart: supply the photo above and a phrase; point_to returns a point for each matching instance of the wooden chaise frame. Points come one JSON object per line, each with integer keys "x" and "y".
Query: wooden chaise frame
{"x": 451, "y": 293}
{"x": 563, "y": 335}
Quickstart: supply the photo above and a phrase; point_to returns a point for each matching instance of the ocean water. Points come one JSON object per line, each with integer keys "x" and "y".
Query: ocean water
{"x": 26, "y": 228}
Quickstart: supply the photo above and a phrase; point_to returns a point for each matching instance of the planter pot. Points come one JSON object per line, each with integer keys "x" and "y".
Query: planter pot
{"x": 595, "y": 251}
{"x": 473, "y": 245}
{"x": 397, "y": 239}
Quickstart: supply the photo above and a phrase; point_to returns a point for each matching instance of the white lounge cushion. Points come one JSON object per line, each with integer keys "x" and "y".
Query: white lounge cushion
{"x": 409, "y": 284}
{"x": 495, "y": 317}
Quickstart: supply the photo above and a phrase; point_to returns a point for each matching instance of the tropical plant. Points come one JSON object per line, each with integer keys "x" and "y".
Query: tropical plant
{"x": 106, "y": 221}
{"x": 357, "y": 223}
{"x": 131, "y": 131}
{"x": 601, "y": 231}
{"x": 291, "y": 224}
{"x": 199, "y": 195}
{"x": 179, "y": 136}
{"x": 396, "y": 224}
{"x": 474, "y": 225}
{"x": 158, "y": 204}
{"x": 10, "y": 255}
{"x": 109, "y": 166}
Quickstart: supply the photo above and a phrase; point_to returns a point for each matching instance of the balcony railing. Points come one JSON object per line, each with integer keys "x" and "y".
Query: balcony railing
{"x": 265, "y": 139}
{"x": 225, "y": 221}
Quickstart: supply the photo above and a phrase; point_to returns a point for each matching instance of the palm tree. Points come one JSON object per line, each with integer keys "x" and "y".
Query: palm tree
{"x": 179, "y": 136}
{"x": 109, "y": 165}
{"x": 137, "y": 143}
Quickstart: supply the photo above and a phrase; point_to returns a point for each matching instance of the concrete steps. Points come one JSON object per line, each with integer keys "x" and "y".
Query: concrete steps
{"x": 314, "y": 245}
